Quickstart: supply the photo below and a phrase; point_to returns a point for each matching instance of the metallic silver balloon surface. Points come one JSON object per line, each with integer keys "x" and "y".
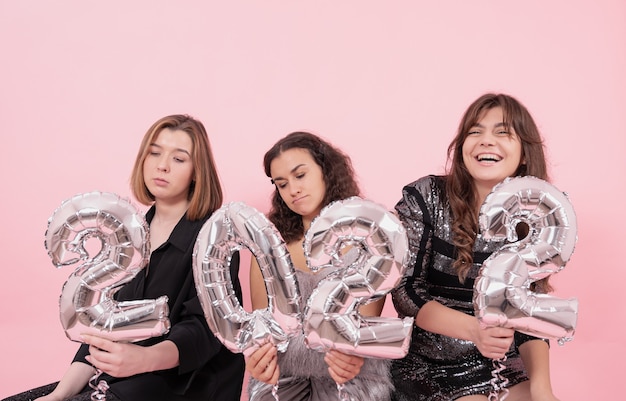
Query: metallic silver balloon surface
{"x": 121, "y": 235}
{"x": 502, "y": 294}
{"x": 229, "y": 229}
{"x": 368, "y": 246}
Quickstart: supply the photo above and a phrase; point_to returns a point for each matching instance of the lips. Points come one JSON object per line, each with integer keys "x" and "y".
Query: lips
{"x": 488, "y": 157}
{"x": 298, "y": 199}
{"x": 160, "y": 181}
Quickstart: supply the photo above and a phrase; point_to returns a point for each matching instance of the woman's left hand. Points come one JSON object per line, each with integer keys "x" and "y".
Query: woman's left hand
{"x": 343, "y": 367}
{"x": 114, "y": 358}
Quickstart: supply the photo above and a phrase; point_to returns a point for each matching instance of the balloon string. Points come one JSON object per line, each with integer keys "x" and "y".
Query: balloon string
{"x": 100, "y": 389}
{"x": 498, "y": 382}
{"x": 342, "y": 395}
{"x": 275, "y": 391}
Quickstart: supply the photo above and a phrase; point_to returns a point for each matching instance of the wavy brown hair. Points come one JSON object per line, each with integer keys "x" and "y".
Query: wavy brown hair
{"x": 205, "y": 191}
{"x": 338, "y": 176}
{"x": 460, "y": 184}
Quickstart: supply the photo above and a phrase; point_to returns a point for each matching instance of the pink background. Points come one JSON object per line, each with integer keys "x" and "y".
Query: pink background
{"x": 386, "y": 81}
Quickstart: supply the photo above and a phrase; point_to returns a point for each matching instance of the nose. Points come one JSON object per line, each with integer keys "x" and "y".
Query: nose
{"x": 163, "y": 164}
{"x": 294, "y": 189}
{"x": 487, "y": 139}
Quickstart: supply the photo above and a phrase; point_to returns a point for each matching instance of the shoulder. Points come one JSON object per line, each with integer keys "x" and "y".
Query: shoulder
{"x": 186, "y": 231}
{"x": 425, "y": 196}
{"x": 425, "y": 185}
{"x": 193, "y": 225}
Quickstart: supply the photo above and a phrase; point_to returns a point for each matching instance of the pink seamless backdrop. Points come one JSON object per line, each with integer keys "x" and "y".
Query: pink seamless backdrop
{"x": 80, "y": 83}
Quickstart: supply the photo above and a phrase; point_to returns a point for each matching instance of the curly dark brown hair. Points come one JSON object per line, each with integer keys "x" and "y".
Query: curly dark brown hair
{"x": 337, "y": 170}
{"x": 459, "y": 183}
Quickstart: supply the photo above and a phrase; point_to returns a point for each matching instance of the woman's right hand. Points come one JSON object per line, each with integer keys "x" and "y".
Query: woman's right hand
{"x": 263, "y": 364}
{"x": 492, "y": 342}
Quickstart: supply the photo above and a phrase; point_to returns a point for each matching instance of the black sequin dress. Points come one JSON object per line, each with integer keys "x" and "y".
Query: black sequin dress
{"x": 438, "y": 367}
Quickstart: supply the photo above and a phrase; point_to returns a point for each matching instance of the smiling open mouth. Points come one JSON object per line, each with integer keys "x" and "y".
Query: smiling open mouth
{"x": 488, "y": 157}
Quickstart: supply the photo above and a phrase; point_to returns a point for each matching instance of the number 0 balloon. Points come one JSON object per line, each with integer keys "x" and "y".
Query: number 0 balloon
{"x": 230, "y": 228}
{"x": 502, "y": 294}
{"x": 86, "y": 302}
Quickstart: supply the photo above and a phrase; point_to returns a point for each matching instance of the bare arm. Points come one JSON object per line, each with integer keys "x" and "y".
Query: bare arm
{"x": 373, "y": 309}
{"x": 492, "y": 342}
{"x": 262, "y": 364}
{"x": 258, "y": 293}
{"x": 74, "y": 380}
{"x": 536, "y": 357}
{"x": 437, "y": 318}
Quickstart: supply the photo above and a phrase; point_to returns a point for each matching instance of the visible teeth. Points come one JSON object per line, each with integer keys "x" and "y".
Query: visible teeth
{"x": 489, "y": 157}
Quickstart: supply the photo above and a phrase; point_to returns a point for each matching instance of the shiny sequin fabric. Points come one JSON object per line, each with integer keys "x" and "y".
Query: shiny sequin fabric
{"x": 437, "y": 367}
{"x": 304, "y": 374}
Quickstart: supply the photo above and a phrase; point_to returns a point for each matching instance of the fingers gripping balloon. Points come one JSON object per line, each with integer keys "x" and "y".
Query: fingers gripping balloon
{"x": 229, "y": 229}
{"x": 86, "y": 302}
{"x": 502, "y": 294}
{"x": 376, "y": 259}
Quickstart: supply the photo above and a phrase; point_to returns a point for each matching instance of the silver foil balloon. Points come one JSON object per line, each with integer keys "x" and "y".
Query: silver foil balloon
{"x": 231, "y": 228}
{"x": 502, "y": 294}
{"x": 368, "y": 246}
{"x": 86, "y": 302}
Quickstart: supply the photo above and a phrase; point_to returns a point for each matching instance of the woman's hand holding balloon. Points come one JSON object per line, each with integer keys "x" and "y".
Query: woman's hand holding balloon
{"x": 120, "y": 359}
{"x": 492, "y": 342}
{"x": 263, "y": 364}
{"x": 343, "y": 367}
{"x": 116, "y": 359}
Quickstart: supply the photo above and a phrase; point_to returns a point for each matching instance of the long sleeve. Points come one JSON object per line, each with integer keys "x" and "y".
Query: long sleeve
{"x": 195, "y": 342}
{"x": 412, "y": 292}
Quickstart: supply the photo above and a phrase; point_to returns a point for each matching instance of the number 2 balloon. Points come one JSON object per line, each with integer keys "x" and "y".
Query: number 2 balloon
{"x": 122, "y": 250}
{"x": 502, "y": 292}
{"x": 368, "y": 246}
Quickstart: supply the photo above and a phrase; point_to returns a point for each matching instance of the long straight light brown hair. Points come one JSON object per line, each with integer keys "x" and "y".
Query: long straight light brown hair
{"x": 205, "y": 192}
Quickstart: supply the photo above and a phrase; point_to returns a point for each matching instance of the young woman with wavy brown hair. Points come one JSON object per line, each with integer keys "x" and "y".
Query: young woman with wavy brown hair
{"x": 451, "y": 354}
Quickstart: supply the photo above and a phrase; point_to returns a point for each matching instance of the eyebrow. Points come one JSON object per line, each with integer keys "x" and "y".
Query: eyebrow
{"x": 291, "y": 171}
{"x": 479, "y": 125}
{"x": 176, "y": 149}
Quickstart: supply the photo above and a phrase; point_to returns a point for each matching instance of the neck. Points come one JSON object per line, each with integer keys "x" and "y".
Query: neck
{"x": 169, "y": 213}
{"x": 306, "y": 224}
{"x": 306, "y": 220}
{"x": 481, "y": 195}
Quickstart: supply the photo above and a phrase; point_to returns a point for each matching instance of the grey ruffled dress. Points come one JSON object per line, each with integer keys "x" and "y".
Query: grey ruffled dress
{"x": 304, "y": 374}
